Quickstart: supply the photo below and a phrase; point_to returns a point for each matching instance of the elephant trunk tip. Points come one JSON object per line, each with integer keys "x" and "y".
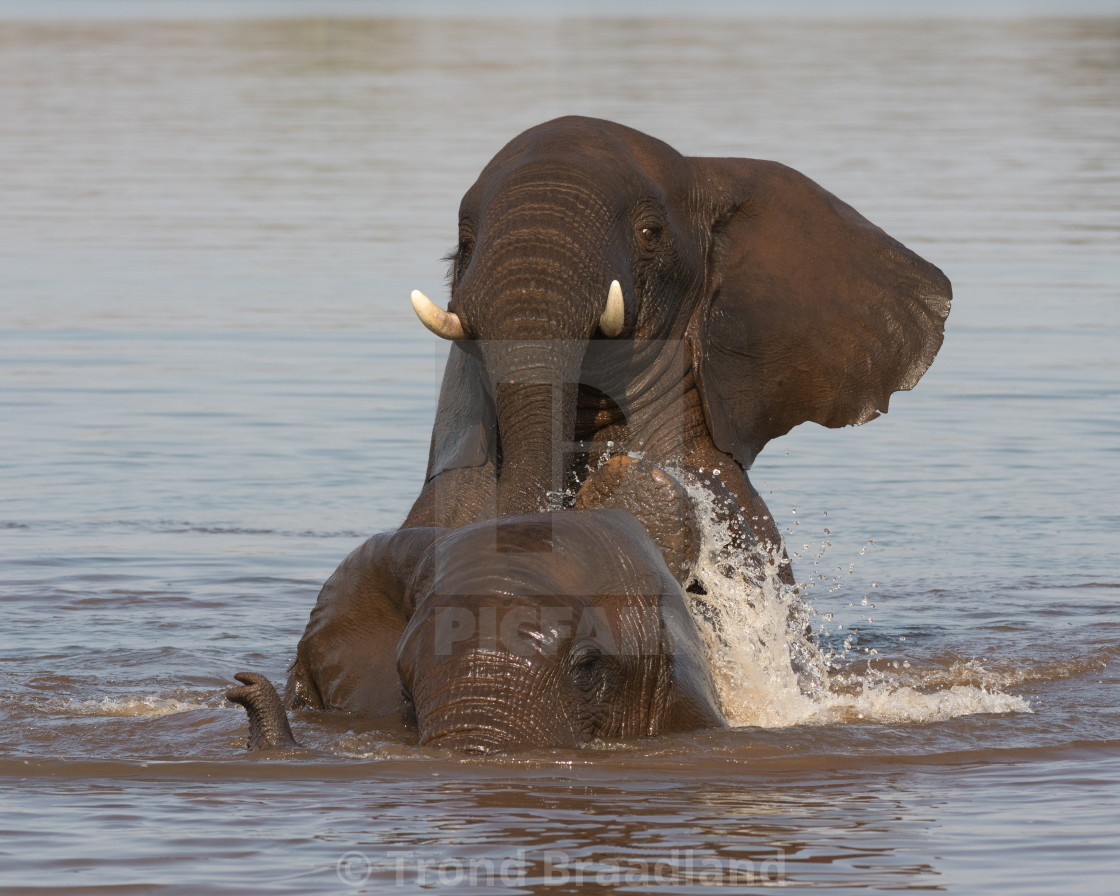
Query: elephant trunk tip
{"x": 268, "y": 723}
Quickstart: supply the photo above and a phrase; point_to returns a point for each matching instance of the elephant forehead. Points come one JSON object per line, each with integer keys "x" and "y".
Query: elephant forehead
{"x": 593, "y": 143}
{"x": 531, "y": 630}
{"x": 556, "y": 578}
{"x": 543, "y": 185}
{"x": 564, "y": 199}
{"x": 592, "y": 169}
{"x": 565, "y": 552}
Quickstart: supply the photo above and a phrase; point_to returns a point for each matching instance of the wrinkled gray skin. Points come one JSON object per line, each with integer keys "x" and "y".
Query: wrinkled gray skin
{"x": 754, "y": 301}
{"x": 545, "y": 630}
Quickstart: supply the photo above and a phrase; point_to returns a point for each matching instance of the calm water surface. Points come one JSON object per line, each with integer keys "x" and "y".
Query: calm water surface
{"x": 212, "y": 387}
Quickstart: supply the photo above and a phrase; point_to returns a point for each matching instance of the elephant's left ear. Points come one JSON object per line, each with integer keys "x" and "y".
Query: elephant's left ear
{"x": 813, "y": 313}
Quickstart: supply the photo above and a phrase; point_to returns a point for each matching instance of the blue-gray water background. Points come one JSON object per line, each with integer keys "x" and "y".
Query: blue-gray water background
{"x": 212, "y": 387}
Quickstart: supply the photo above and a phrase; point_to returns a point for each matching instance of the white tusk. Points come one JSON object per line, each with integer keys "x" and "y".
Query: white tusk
{"x": 614, "y": 315}
{"x": 445, "y": 324}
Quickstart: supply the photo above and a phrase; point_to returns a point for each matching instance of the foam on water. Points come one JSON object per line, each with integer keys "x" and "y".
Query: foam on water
{"x": 771, "y": 673}
{"x": 126, "y": 707}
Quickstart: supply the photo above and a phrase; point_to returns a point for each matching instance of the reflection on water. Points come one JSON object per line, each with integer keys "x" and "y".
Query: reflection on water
{"x": 497, "y": 827}
{"x": 212, "y": 387}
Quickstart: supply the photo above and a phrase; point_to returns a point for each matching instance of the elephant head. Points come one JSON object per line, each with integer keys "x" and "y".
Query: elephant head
{"x": 571, "y": 629}
{"x": 607, "y": 291}
{"x": 547, "y": 630}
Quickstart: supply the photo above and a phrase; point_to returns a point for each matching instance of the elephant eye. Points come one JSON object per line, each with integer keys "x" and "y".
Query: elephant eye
{"x": 586, "y": 670}
{"x": 650, "y": 236}
{"x": 458, "y": 259}
{"x": 463, "y": 256}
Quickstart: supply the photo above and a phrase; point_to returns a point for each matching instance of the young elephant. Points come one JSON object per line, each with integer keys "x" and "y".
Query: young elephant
{"x": 549, "y": 629}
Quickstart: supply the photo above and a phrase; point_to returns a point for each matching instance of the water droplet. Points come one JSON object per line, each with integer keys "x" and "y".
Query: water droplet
{"x": 716, "y": 471}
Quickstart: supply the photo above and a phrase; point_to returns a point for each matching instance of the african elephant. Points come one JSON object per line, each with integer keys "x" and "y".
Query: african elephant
{"x": 546, "y": 629}
{"x": 611, "y": 296}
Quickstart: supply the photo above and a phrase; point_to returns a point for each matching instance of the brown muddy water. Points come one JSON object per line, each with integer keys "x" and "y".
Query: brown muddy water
{"x": 212, "y": 388}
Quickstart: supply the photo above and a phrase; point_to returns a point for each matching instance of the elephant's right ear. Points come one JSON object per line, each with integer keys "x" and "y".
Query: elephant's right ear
{"x": 813, "y": 313}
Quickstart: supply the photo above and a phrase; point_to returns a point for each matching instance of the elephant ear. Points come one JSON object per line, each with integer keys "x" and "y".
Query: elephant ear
{"x": 347, "y": 657}
{"x": 814, "y": 313}
{"x": 463, "y": 435}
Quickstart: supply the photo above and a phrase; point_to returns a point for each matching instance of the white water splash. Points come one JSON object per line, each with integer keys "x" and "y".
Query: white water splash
{"x": 128, "y": 707}
{"x": 767, "y": 669}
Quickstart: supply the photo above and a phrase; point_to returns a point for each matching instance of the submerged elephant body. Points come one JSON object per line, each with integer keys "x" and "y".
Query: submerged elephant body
{"x": 546, "y": 629}
{"x": 609, "y": 298}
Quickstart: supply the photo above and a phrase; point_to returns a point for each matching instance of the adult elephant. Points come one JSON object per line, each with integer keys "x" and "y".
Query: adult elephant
{"x": 609, "y": 296}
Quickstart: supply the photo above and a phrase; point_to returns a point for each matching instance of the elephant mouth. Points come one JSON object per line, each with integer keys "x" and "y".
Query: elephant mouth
{"x": 482, "y": 736}
{"x": 472, "y": 739}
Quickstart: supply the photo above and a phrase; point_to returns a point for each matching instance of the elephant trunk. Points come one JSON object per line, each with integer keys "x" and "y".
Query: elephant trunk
{"x": 535, "y": 400}
{"x": 478, "y": 704}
